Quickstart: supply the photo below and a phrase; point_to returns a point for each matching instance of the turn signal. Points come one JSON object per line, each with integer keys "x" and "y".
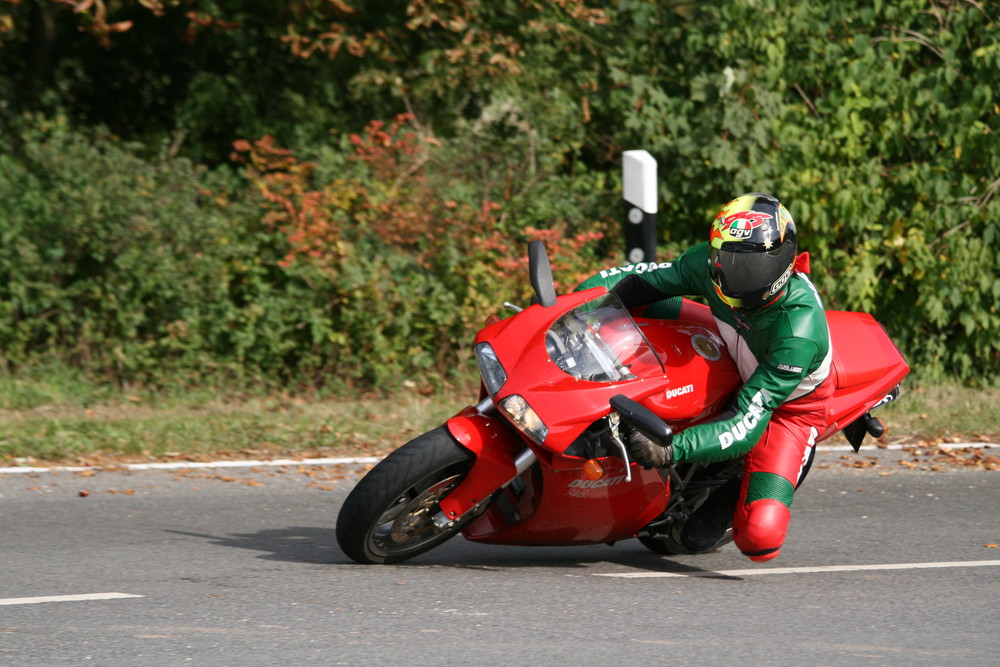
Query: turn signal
{"x": 592, "y": 470}
{"x": 492, "y": 319}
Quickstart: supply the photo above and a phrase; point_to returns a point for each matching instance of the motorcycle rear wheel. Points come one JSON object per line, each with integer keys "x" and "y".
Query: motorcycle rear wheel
{"x": 663, "y": 536}
{"x": 388, "y": 517}
{"x": 669, "y": 544}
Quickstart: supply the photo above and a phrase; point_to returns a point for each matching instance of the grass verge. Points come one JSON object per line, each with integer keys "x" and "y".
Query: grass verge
{"x": 42, "y": 422}
{"x": 70, "y": 421}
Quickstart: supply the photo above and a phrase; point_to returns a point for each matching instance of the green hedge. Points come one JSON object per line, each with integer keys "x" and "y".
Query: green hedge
{"x": 154, "y": 271}
{"x": 877, "y": 125}
{"x": 131, "y": 267}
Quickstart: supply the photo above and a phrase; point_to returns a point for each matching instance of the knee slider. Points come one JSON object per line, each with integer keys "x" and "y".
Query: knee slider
{"x": 760, "y": 528}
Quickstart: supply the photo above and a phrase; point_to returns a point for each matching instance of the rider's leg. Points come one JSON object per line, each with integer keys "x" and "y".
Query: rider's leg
{"x": 772, "y": 471}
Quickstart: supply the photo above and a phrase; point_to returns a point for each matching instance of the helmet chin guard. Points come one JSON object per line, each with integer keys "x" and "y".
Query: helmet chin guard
{"x": 752, "y": 250}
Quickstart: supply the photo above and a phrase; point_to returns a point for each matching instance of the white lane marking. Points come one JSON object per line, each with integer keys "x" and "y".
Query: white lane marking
{"x": 69, "y": 598}
{"x": 876, "y": 448}
{"x": 802, "y": 570}
{"x": 185, "y": 465}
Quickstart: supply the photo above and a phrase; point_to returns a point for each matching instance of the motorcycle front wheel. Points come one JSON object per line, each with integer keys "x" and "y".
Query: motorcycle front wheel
{"x": 388, "y": 517}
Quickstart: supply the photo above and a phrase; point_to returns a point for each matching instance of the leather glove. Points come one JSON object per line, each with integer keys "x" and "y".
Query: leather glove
{"x": 647, "y": 453}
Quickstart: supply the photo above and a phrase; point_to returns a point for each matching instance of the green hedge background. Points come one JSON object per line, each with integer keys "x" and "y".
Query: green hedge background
{"x": 335, "y": 194}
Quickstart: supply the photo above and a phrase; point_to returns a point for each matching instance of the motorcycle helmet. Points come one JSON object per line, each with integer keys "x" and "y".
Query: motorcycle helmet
{"x": 752, "y": 250}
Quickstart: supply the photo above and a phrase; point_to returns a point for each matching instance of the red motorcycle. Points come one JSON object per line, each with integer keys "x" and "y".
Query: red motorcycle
{"x": 541, "y": 459}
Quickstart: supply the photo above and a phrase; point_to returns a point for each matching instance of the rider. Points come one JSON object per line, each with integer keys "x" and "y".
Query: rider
{"x": 774, "y": 325}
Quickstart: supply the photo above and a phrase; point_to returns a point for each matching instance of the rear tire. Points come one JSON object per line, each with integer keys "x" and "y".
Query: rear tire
{"x": 388, "y": 517}
{"x": 670, "y": 545}
{"x": 663, "y": 536}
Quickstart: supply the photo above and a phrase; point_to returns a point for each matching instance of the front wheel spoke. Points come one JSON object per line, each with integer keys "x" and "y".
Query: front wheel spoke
{"x": 405, "y": 524}
{"x": 408, "y": 521}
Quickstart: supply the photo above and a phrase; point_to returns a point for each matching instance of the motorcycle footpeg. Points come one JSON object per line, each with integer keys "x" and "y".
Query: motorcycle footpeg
{"x": 865, "y": 424}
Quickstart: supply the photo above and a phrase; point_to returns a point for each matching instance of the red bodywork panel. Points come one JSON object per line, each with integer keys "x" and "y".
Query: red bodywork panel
{"x": 867, "y": 365}
{"x": 495, "y": 446}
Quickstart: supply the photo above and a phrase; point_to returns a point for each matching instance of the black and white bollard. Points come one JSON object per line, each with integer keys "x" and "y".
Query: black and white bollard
{"x": 639, "y": 194}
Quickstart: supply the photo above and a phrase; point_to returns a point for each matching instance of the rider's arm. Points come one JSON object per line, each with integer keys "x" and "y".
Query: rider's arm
{"x": 778, "y": 374}
{"x": 651, "y": 283}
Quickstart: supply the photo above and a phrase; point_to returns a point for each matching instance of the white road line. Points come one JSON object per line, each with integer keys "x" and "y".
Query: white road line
{"x": 69, "y": 598}
{"x": 877, "y": 448}
{"x": 185, "y": 465}
{"x": 801, "y": 570}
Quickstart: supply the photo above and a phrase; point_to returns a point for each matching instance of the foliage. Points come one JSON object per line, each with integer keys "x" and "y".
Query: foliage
{"x": 127, "y": 266}
{"x": 154, "y": 271}
{"x": 877, "y": 126}
{"x": 398, "y": 154}
{"x": 407, "y": 276}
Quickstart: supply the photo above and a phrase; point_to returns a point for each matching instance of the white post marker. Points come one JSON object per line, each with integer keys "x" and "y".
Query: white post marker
{"x": 639, "y": 195}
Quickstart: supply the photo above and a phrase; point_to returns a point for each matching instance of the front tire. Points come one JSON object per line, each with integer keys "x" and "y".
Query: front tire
{"x": 388, "y": 517}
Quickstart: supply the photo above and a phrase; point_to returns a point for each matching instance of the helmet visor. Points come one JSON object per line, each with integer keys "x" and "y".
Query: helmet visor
{"x": 742, "y": 271}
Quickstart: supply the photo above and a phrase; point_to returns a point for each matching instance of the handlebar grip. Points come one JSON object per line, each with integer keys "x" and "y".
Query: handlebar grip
{"x": 642, "y": 419}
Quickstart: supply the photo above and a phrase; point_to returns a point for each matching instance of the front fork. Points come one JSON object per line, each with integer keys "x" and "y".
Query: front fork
{"x": 501, "y": 456}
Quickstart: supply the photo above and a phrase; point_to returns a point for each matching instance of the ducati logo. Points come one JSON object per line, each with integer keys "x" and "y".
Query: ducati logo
{"x": 746, "y": 422}
{"x": 596, "y": 483}
{"x": 680, "y": 391}
{"x": 581, "y": 488}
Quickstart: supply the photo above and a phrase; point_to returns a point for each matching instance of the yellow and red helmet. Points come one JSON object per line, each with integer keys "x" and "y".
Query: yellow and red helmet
{"x": 752, "y": 250}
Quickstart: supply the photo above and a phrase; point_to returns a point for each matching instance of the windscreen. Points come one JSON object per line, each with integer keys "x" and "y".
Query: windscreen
{"x": 600, "y": 342}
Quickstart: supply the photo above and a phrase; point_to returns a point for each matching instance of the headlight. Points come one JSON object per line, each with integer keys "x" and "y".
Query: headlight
{"x": 520, "y": 413}
{"x": 494, "y": 376}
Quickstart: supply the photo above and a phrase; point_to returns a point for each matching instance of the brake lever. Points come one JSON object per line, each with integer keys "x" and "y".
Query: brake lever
{"x": 613, "y": 420}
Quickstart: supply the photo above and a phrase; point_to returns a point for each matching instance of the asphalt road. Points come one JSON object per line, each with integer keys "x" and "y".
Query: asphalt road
{"x": 241, "y": 567}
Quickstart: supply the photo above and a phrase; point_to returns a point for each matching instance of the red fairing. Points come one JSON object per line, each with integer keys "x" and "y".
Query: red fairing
{"x": 683, "y": 374}
{"x": 867, "y": 365}
{"x": 701, "y": 376}
{"x": 562, "y": 507}
{"x": 680, "y": 369}
{"x": 495, "y": 446}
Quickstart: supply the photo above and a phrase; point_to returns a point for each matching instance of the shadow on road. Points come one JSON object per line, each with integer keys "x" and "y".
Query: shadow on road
{"x": 298, "y": 544}
{"x": 303, "y": 544}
